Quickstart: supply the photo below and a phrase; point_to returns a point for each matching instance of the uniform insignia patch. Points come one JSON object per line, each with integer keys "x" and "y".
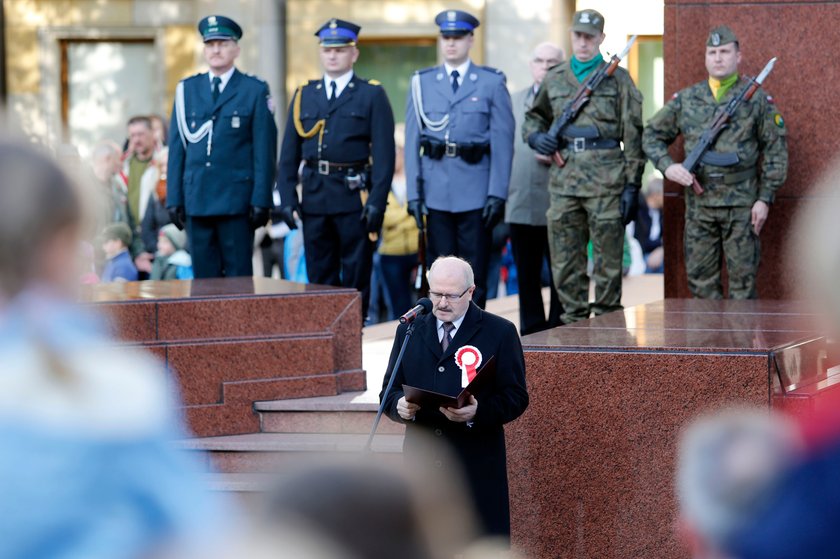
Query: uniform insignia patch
{"x": 374, "y": 82}
{"x": 780, "y": 122}
{"x": 439, "y": 76}
{"x": 451, "y": 16}
{"x": 211, "y": 20}
{"x": 716, "y": 39}
{"x": 473, "y": 77}
{"x": 269, "y": 100}
{"x": 584, "y": 18}
{"x": 473, "y": 99}
{"x": 234, "y": 122}
{"x": 675, "y": 95}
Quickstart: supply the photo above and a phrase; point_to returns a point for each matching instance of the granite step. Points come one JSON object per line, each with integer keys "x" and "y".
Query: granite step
{"x": 348, "y": 413}
{"x": 277, "y": 452}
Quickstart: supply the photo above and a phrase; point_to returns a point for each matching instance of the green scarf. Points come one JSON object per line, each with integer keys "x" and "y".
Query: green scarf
{"x": 720, "y": 87}
{"x": 582, "y": 69}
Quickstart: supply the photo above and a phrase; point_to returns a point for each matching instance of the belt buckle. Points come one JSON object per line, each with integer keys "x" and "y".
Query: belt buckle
{"x": 323, "y": 167}
{"x": 451, "y": 149}
{"x": 579, "y": 145}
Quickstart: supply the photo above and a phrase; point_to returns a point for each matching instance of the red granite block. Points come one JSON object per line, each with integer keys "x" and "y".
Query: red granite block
{"x": 278, "y": 389}
{"x": 352, "y": 381}
{"x": 250, "y": 316}
{"x": 221, "y": 419}
{"x": 591, "y": 463}
{"x": 130, "y": 322}
{"x": 347, "y": 328}
{"x": 201, "y": 367}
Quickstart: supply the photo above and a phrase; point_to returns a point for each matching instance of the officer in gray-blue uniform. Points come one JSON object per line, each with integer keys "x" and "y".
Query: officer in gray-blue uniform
{"x": 342, "y": 127}
{"x": 459, "y": 130}
{"x": 222, "y": 156}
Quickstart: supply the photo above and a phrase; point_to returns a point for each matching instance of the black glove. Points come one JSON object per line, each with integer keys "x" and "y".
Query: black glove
{"x": 417, "y": 208}
{"x": 543, "y": 143}
{"x": 629, "y": 204}
{"x": 286, "y": 214}
{"x": 178, "y": 216}
{"x": 258, "y": 217}
{"x": 494, "y": 212}
{"x": 372, "y": 217}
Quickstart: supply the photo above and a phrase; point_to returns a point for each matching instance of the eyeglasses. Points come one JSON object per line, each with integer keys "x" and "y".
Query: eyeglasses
{"x": 437, "y": 297}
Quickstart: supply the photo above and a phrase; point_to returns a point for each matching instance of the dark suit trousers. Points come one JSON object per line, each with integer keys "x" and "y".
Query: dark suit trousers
{"x": 221, "y": 246}
{"x": 530, "y": 251}
{"x": 461, "y": 234}
{"x": 338, "y": 252}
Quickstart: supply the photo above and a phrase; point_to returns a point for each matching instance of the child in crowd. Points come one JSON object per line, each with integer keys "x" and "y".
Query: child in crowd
{"x": 115, "y": 242}
{"x": 172, "y": 261}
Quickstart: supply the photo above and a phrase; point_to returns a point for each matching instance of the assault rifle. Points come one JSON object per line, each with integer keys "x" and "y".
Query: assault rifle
{"x": 581, "y": 98}
{"x": 701, "y": 152}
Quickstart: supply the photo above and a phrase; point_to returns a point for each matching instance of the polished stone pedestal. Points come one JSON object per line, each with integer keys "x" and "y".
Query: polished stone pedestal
{"x": 592, "y": 461}
{"x": 232, "y": 341}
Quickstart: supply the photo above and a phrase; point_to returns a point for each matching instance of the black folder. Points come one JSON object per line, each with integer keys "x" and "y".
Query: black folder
{"x": 485, "y": 375}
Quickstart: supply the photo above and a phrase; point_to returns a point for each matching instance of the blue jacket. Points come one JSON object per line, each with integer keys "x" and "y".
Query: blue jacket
{"x": 239, "y": 172}
{"x": 359, "y": 127}
{"x": 119, "y": 267}
{"x": 479, "y": 112}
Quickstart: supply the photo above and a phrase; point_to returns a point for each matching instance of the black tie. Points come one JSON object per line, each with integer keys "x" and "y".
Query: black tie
{"x": 447, "y": 335}
{"x": 455, "y": 75}
{"x": 332, "y": 92}
{"x": 217, "y": 81}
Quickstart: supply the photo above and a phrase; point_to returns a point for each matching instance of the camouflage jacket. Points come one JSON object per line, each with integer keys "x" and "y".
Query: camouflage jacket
{"x": 615, "y": 109}
{"x": 756, "y": 134}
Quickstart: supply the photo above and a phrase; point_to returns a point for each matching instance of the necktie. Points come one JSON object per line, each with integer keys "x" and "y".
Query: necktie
{"x": 447, "y": 335}
{"x": 217, "y": 81}
{"x": 332, "y": 92}
{"x": 455, "y": 75}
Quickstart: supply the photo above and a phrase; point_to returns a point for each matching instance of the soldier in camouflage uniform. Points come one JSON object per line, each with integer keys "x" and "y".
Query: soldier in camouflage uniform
{"x": 596, "y": 192}
{"x": 733, "y": 208}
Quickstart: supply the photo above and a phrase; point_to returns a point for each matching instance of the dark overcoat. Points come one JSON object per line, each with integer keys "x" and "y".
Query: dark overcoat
{"x": 481, "y": 445}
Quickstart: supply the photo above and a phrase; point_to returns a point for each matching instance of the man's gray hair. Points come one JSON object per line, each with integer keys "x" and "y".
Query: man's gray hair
{"x": 728, "y": 464}
{"x": 469, "y": 277}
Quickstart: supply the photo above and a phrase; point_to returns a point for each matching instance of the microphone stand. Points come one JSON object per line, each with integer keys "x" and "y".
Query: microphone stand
{"x": 408, "y": 332}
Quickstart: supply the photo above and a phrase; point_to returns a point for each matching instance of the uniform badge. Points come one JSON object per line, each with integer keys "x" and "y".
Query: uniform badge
{"x": 473, "y": 99}
{"x": 211, "y": 20}
{"x": 451, "y": 16}
{"x": 192, "y": 124}
{"x": 468, "y": 359}
{"x": 780, "y": 122}
{"x": 473, "y": 77}
{"x": 584, "y": 17}
{"x": 333, "y": 24}
{"x": 715, "y": 39}
{"x": 439, "y": 76}
{"x": 234, "y": 122}
{"x": 770, "y": 99}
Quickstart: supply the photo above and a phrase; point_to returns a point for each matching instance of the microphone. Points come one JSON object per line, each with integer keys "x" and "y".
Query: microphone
{"x": 423, "y": 306}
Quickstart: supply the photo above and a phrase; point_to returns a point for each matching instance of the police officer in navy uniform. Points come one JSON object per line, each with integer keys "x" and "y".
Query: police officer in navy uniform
{"x": 342, "y": 127}
{"x": 459, "y": 129}
{"x": 222, "y": 154}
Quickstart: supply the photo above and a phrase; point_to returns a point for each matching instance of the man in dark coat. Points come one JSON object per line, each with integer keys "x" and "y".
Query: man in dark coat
{"x": 474, "y": 432}
{"x": 222, "y": 154}
{"x": 342, "y": 128}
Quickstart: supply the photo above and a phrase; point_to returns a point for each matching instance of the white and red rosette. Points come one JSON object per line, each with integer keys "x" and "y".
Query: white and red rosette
{"x": 468, "y": 359}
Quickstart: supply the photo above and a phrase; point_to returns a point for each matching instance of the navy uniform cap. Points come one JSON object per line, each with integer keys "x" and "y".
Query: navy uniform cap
{"x": 455, "y": 23}
{"x": 213, "y": 28}
{"x": 338, "y": 33}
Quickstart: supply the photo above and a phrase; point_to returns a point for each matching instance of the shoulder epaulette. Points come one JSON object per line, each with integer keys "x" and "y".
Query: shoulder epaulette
{"x": 259, "y": 79}
{"x": 490, "y": 69}
{"x": 425, "y": 70}
{"x": 374, "y": 82}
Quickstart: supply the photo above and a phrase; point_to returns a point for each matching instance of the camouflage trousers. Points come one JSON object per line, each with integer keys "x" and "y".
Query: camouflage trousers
{"x": 708, "y": 230}
{"x": 572, "y": 223}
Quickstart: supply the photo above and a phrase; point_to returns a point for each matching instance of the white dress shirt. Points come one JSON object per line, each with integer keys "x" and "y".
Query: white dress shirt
{"x": 456, "y": 323}
{"x": 225, "y": 79}
{"x": 340, "y": 83}
{"x": 462, "y": 71}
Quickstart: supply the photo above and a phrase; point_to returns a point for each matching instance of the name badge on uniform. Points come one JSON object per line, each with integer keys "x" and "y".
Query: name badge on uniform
{"x": 234, "y": 122}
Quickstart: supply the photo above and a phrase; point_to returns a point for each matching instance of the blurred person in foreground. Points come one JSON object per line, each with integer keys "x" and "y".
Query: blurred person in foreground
{"x": 475, "y": 432}
{"x": 87, "y": 467}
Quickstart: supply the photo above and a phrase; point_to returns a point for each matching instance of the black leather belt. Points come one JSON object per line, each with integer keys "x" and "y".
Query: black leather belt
{"x": 471, "y": 153}
{"x": 583, "y": 144}
{"x": 328, "y": 167}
